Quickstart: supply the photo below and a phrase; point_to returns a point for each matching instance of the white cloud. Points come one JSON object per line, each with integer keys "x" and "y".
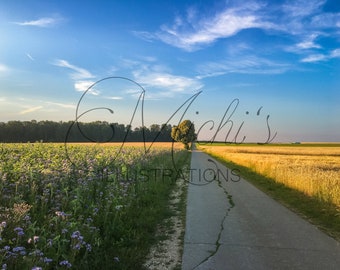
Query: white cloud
{"x": 309, "y": 43}
{"x": 314, "y": 58}
{"x": 115, "y": 98}
{"x": 192, "y": 32}
{"x": 157, "y": 79}
{"x": 302, "y": 8}
{"x": 62, "y": 105}
{"x": 30, "y": 56}
{"x": 244, "y": 65}
{"x": 326, "y": 20}
{"x": 3, "y": 68}
{"x": 297, "y": 27}
{"x": 335, "y": 53}
{"x": 78, "y": 74}
{"x": 42, "y": 22}
{"x": 147, "y": 36}
{"x": 168, "y": 83}
{"x": 82, "y": 77}
{"x": 82, "y": 86}
{"x": 322, "y": 57}
{"x": 31, "y": 109}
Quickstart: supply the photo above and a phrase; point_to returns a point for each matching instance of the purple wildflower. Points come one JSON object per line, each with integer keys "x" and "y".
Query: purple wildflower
{"x": 47, "y": 260}
{"x": 75, "y": 235}
{"x": 20, "y": 250}
{"x": 27, "y": 218}
{"x": 88, "y": 247}
{"x": 19, "y": 231}
{"x": 77, "y": 246}
{"x": 65, "y": 263}
{"x": 61, "y": 214}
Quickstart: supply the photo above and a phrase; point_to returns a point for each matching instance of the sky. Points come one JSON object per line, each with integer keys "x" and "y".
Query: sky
{"x": 251, "y": 71}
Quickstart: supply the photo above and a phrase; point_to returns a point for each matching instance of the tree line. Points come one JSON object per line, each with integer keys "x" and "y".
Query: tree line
{"x": 98, "y": 131}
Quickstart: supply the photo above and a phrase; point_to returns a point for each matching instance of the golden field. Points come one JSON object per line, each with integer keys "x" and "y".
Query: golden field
{"x": 313, "y": 170}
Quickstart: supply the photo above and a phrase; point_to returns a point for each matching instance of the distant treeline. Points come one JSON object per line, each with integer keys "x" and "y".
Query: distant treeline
{"x": 99, "y": 131}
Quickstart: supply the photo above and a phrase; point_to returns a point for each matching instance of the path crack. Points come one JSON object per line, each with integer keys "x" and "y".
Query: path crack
{"x": 232, "y": 204}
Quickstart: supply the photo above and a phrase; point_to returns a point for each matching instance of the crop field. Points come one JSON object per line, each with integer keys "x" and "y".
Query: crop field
{"x": 311, "y": 169}
{"x": 83, "y": 206}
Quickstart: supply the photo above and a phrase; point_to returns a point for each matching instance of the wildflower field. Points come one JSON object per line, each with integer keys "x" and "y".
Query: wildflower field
{"x": 313, "y": 170}
{"x": 83, "y": 206}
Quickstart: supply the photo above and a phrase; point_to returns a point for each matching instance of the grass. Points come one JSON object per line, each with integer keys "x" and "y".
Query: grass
{"x": 99, "y": 211}
{"x": 181, "y": 208}
{"x": 169, "y": 250}
{"x": 305, "y": 179}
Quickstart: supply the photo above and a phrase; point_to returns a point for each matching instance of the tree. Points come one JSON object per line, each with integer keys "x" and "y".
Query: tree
{"x": 98, "y": 131}
{"x": 184, "y": 133}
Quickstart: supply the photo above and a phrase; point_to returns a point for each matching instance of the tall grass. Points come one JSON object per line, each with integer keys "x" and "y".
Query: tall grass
{"x": 315, "y": 171}
{"x": 97, "y": 212}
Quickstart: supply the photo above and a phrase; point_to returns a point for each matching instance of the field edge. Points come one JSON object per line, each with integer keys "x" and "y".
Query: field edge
{"x": 323, "y": 215}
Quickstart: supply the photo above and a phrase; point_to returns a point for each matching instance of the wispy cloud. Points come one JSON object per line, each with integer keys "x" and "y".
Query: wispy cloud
{"x": 166, "y": 84}
{"x": 62, "y": 105}
{"x": 158, "y": 79}
{"x": 321, "y": 57}
{"x": 314, "y": 58}
{"x": 302, "y": 8}
{"x": 115, "y": 98}
{"x": 194, "y": 31}
{"x": 170, "y": 82}
{"x": 305, "y": 20}
{"x": 42, "y": 22}
{"x": 298, "y": 18}
{"x": 82, "y": 86}
{"x": 30, "y": 56}
{"x": 4, "y": 68}
{"x": 31, "y": 109}
{"x": 305, "y": 45}
{"x": 335, "y": 53}
{"x": 243, "y": 65}
{"x": 326, "y": 20}
{"x": 83, "y": 78}
{"x": 300, "y": 25}
{"x": 309, "y": 43}
{"x": 78, "y": 72}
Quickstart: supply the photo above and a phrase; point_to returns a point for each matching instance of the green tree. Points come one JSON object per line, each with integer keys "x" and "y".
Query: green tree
{"x": 184, "y": 133}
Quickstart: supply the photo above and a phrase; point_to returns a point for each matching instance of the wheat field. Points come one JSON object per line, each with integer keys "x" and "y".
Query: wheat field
{"x": 313, "y": 170}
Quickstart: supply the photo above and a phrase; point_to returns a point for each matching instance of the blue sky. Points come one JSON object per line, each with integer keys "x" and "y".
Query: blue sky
{"x": 277, "y": 58}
